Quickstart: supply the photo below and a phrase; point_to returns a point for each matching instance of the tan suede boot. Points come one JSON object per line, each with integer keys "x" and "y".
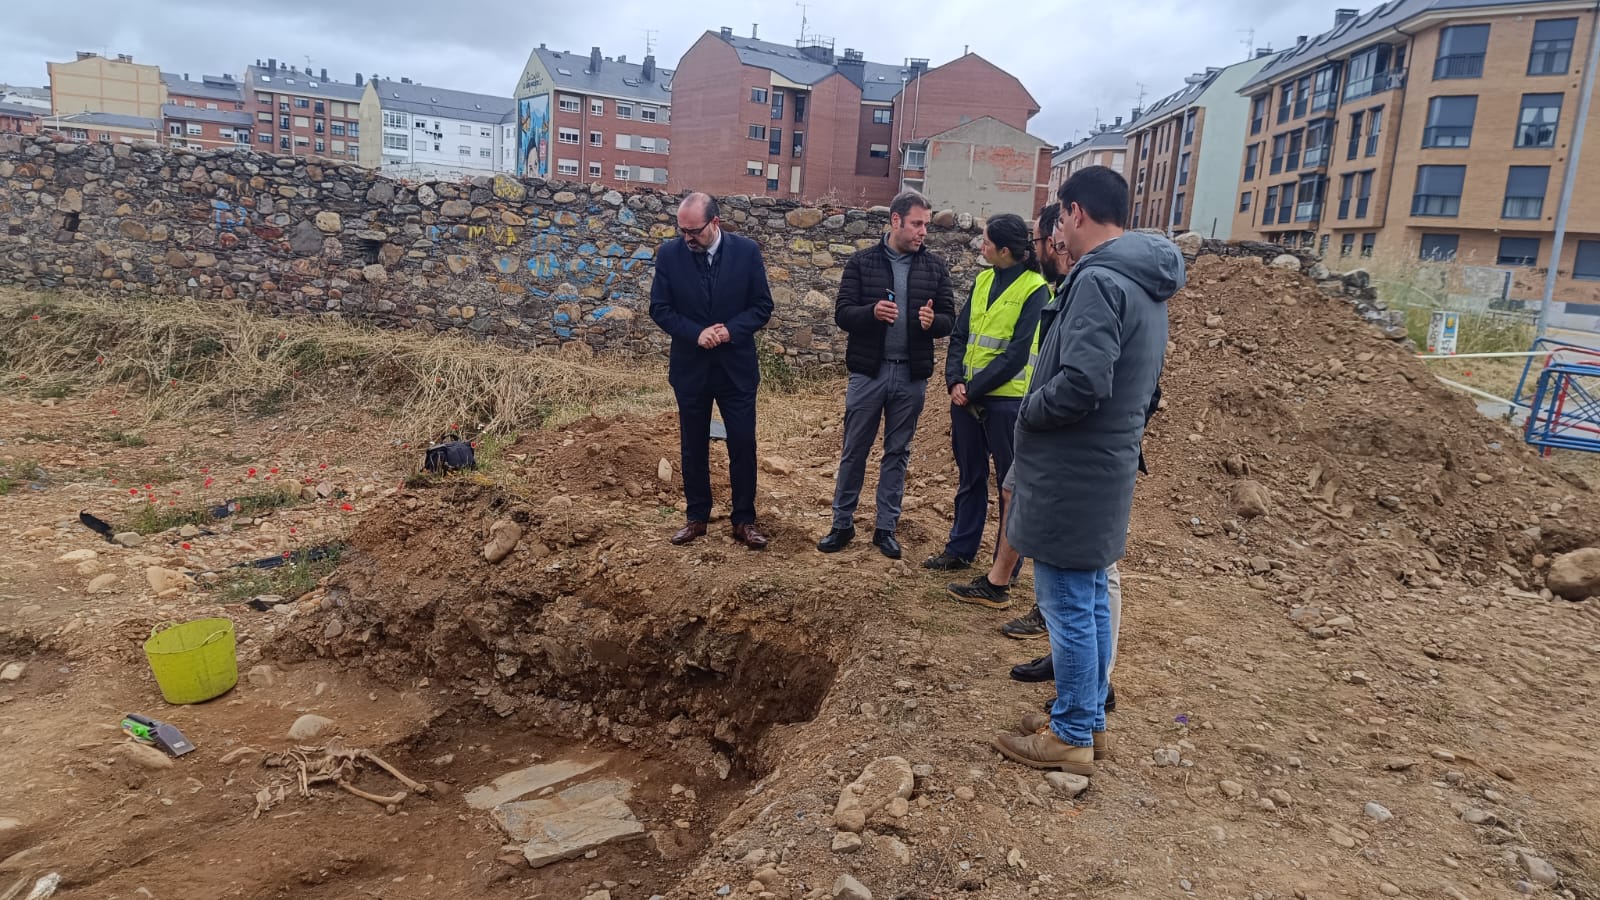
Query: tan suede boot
{"x": 1034, "y": 723}
{"x": 1046, "y": 751}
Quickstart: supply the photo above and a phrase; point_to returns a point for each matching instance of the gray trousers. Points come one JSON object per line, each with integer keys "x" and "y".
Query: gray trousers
{"x": 894, "y": 397}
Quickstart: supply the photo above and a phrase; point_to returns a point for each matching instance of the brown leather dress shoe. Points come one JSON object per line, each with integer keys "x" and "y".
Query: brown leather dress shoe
{"x": 1046, "y": 751}
{"x": 749, "y": 535}
{"x": 689, "y": 532}
{"x": 1039, "y": 723}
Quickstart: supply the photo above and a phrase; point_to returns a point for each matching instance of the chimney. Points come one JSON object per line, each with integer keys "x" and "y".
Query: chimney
{"x": 272, "y": 64}
{"x": 753, "y": 27}
{"x": 358, "y": 79}
{"x": 1118, "y": 123}
{"x": 309, "y": 73}
{"x": 622, "y": 58}
{"x": 594, "y": 60}
{"x": 186, "y": 76}
{"x": 1341, "y": 16}
{"x": 649, "y": 68}
{"x": 542, "y": 46}
{"x": 1300, "y": 40}
{"x": 1264, "y": 51}
{"x": 852, "y": 66}
{"x": 726, "y": 32}
{"x": 284, "y": 67}
{"x": 918, "y": 66}
{"x": 324, "y": 74}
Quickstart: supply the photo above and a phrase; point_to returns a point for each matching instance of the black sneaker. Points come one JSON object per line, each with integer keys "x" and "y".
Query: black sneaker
{"x": 981, "y": 592}
{"x": 837, "y": 539}
{"x": 1038, "y": 670}
{"x": 946, "y": 562}
{"x": 1027, "y": 627}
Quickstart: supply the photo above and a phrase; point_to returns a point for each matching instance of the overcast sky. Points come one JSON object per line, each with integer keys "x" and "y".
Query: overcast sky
{"x": 1087, "y": 55}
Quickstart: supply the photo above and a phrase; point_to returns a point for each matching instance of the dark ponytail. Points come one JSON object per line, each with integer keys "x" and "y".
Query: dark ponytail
{"x": 1008, "y": 232}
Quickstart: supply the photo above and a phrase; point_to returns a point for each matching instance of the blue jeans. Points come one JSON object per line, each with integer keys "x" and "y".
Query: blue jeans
{"x": 1077, "y": 609}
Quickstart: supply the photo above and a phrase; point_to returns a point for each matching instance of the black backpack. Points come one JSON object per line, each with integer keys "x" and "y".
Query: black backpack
{"x": 450, "y": 456}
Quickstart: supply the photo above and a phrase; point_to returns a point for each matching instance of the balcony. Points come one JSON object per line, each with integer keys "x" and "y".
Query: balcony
{"x": 1447, "y": 136}
{"x": 1316, "y": 157}
{"x": 1308, "y": 211}
{"x": 1458, "y": 65}
{"x": 1375, "y": 84}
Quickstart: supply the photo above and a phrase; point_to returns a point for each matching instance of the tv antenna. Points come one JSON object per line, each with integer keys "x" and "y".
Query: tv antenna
{"x": 1140, "y": 85}
{"x": 1249, "y": 41}
{"x": 803, "y": 22}
{"x": 649, "y": 39}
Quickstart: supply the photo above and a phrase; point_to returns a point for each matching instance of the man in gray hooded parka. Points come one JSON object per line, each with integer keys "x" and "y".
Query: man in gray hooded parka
{"x": 1077, "y": 449}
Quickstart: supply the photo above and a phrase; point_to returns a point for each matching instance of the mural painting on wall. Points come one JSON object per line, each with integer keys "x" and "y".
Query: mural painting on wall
{"x": 533, "y": 136}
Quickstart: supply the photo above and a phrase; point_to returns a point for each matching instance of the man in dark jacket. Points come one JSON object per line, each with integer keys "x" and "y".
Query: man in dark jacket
{"x": 710, "y": 294}
{"x": 894, "y": 300}
{"x": 1077, "y": 450}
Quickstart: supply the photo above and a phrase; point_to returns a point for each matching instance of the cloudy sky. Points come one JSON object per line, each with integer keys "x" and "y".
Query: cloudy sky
{"x": 1086, "y": 55}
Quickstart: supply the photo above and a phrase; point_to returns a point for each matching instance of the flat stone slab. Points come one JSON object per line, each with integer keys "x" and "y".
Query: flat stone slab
{"x": 570, "y": 834}
{"x": 518, "y": 784}
{"x": 520, "y": 819}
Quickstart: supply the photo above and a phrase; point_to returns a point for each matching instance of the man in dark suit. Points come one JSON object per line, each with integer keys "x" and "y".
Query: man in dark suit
{"x": 710, "y": 294}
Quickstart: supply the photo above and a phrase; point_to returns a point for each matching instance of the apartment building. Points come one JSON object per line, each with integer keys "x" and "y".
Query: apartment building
{"x": 104, "y": 128}
{"x": 97, "y": 84}
{"x": 21, "y": 95}
{"x": 593, "y": 118}
{"x": 1185, "y": 150}
{"x": 433, "y": 132}
{"x": 757, "y": 117}
{"x": 1106, "y": 146}
{"x": 301, "y": 113}
{"x": 1432, "y": 129}
{"x": 16, "y": 118}
{"x": 208, "y": 114}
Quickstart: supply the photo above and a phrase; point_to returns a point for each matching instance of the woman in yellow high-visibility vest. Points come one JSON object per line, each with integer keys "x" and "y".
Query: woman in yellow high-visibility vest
{"x": 987, "y": 372}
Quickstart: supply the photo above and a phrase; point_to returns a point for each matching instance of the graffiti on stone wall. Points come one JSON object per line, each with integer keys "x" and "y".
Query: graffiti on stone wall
{"x": 228, "y": 217}
{"x": 533, "y": 136}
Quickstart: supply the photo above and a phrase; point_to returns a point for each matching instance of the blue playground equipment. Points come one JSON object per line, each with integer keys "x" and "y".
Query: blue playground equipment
{"x": 1563, "y": 400}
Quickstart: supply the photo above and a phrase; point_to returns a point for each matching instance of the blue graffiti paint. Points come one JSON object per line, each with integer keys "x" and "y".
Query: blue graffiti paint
{"x": 644, "y": 253}
{"x": 560, "y": 317}
{"x": 505, "y": 264}
{"x": 563, "y": 332}
{"x": 626, "y": 216}
{"x": 601, "y": 312}
{"x": 588, "y": 249}
{"x": 544, "y": 265}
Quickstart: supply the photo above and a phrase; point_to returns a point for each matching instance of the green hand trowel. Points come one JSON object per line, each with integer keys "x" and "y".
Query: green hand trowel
{"x": 166, "y": 737}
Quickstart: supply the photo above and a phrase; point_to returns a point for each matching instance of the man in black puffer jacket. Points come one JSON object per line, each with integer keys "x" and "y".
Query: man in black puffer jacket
{"x": 895, "y": 300}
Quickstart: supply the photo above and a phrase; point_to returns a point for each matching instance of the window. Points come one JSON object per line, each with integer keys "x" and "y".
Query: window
{"x": 1285, "y": 102}
{"x": 1355, "y": 136}
{"x": 1292, "y": 161}
{"x": 777, "y": 106}
{"x": 1537, "y": 125}
{"x": 596, "y": 108}
{"x": 567, "y": 135}
{"x": 1347, "y": 244}
{"x": 758, "y": 132}
{"x": 1183, "y": 170}
{"x": 566, "y": 167}
{"x": 1278, "y": 144}
{"x": 772, "y": 184}
{"x": 1525, "y": 188}
{"x": 421, "y": 125}
{"x": 463, "y": 150}
{"x": 1363, "y": 192}
{"x": 1313, "y": 190}
{"x": 1368, "y": 73}
{"x": 1586, "y": 264}
{"x": 1346, "y": 190}
{"x": 302, "y": 122}
{"x": 799, "y": 107}
{"x": 882, "y": 116}
{"x": 1252, "y": 158}
{"x": 265, "y": 138}
{"x": 194, "y": 129}
{"x": 1374, "y": 130}
{"x": 1177, "y": 209}
{"x": 1137, "y": 207}
{"x": 320, "y": 126}
{"x": 1244, "y": 201}
{"x": 320, "y": 145}
{"x": 1258, "y": 113}
{"x": 395, "y": 142}
{"x": 302, "y": 103}
{"x": 752, "y": 167}
{"x": 1439, "y": 247}
{"x": 1319, "y": 143}
{"x": 1368, "y": 241}
{"x": 594, "y": 170}
{"x": 758, "y": 95}
{"x": 263, "y": 117}
{"x": 175, "y": 129}
{"x": 647, "y": 145}
{"x": 1438, "y": 190}
{"x": 1461, "y": 49}
{"x": 1450, "y": 122}
{"x": 283, "y": 121}
{"x": 337, "y": 129}
{"x": 798, "y": 142}
{"x": 1322, "y": 246}
{"x": 263, "y": 97}
{"x": 917, "y": 158}
{"x": 567, "y": 104}
{"x": 647, "y": 113}
{"x": 878, "y": 151}
{"x": 355, "y": 129}
{"x": 338, "y": 146}
{"x": 774, "y": 141}
{"x": 1325, "y": 88}
{"x": 620, "y": 173}
{"x": 1552, "y": 46}
{"x": 284, "y": 143}
{"x": 1302, "y": 95}
{"x": 1518, "y": 251}
{"x": 1188, "y": 126}
{"x": 466, "y": 130}
{"x": 211, "y": 106}
{"x": 317, "y": 107}
{"x": 624, "y": 110}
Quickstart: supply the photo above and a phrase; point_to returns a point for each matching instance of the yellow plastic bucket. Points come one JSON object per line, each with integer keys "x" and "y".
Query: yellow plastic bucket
{"x": 194, "y": 661}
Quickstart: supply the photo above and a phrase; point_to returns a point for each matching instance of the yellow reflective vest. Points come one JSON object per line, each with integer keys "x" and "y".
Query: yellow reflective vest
{"x": 991, "y": 328}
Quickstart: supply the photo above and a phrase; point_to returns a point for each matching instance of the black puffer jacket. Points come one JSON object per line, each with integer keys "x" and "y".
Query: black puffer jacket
{"x": 869, "y": 278}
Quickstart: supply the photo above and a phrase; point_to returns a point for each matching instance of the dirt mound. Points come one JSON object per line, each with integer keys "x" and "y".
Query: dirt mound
{"x": 1367, "y": 462}
{"x": 613, "y": 458}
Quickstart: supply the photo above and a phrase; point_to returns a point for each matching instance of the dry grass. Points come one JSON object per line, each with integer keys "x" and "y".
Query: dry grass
{"x": 183, "y": 355}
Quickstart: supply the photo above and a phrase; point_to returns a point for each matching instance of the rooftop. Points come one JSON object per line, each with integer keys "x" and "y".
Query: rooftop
{"x": 17, "y": 109}
{"x": 420, "y": 99}
{"x": 236, "y": 118}
{"x": 879, "y": 82}
{"x": 289, "y": 81}
{"x": 221, "y": 88}
{"x": 615, "y": 78}
{"x": 109, "y": 120}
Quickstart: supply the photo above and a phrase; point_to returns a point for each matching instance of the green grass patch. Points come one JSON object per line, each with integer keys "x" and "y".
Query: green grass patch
{"x": 153, "y": 518}
{"x": 289, "y": 580}
{"x": 18, "y": 473}
{"x": 124, "y": 438}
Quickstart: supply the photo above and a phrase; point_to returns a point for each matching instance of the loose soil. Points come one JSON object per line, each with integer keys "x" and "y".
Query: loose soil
{"x": 1332, "y": 599}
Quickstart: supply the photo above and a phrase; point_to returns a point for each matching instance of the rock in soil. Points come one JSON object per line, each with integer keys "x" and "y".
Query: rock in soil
{"x": 1575, "y": 575}
{"x": 310, "y": 727}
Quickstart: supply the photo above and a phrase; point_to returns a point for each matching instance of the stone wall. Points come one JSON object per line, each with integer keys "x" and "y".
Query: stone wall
{"x": 529, "y": 263}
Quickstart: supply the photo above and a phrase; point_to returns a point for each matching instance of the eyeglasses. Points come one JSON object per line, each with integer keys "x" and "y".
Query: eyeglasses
{"x": 695, "y": 232}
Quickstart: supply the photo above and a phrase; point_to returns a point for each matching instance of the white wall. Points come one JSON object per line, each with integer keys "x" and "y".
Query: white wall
{"x": 433, "y": 145}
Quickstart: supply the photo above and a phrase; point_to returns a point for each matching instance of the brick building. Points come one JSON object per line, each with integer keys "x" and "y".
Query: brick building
{"x": 103, "y": 128}
{"x": 756, "y": 117}
{"x": 299, "y": 113}
{"x": 205, "y": 114}
{"x": 1107, "y": 146}
{"x": 1433, "y": 129}
{"x": 1185, "y": 150}
{"x": 16, "y": 118}
{"x": 593, "y": 118}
